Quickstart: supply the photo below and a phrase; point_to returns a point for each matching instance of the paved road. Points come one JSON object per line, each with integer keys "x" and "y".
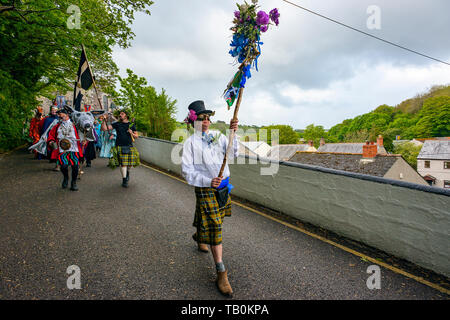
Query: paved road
{"x": 136, "y": 243}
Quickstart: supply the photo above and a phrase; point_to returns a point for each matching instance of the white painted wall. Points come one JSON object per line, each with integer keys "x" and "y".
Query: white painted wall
{"x": 402, "y": 171}
{"x": 408, "y": 223}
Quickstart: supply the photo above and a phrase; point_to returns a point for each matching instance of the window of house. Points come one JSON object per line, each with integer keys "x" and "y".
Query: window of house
{"x": 446, "y": 183}
{"x": 427, "y": 163}
{"x": 446, "y": 164}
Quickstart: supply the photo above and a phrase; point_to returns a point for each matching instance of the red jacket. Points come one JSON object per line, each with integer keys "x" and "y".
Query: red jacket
{"x": 53, "y": 136}
{"x": 34, "y": 130}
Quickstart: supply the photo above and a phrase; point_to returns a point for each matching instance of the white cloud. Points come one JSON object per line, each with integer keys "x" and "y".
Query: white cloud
{"x": 298, "y": 95}
{"x": 310, "y": 70}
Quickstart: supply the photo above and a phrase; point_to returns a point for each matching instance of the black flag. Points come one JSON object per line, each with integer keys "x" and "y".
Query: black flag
{"x": 84, "y": 75}
{"x": 84, "y": 80}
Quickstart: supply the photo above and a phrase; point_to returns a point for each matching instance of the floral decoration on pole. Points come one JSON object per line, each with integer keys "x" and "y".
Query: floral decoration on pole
{"x": 249, "y": 23}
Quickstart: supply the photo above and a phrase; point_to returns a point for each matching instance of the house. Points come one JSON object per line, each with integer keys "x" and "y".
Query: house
{"x": 283, "y": 152}
{"x": 370, "y": 162}
{"x": 433, "y": 162}
{"x": 422, "y": 140}
{"x": 351, "y": 148}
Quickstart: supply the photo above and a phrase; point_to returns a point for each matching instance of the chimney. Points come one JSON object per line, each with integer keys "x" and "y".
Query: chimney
{"x": 369, "y": 150}
{"x": 322, "y": 141}
{"x": 380, "y": 140}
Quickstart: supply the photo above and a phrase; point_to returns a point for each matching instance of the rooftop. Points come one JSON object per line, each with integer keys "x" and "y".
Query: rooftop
{"x": 286, "y": 151}
{"x": 355, "y": 148}
{"x": 435, "y": 149}
{"x": 347, "y": 162}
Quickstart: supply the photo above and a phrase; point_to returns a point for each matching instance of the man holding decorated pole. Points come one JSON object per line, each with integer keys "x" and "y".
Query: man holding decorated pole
{"x": 201, "y": 162}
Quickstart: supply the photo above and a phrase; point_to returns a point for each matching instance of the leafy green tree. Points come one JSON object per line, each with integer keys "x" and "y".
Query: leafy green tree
{"x": 426, "y": 115}
{"x": 286, "y": 134}
{"x": 409, "y": 152}
{"x": 133, "y": 94}
{"x": 434, "y": 118}
{"x": 15, "y": 101}
{"x": 154, "y": 113}
{"x": 314, "y": 133}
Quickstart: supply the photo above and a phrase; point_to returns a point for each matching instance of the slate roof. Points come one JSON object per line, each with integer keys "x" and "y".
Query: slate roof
{"x": 435, "y": 150}
{"x": 284, "y": 152}
{"x": 252, "y": 145}
{"x": 347, "y": 162}
{"x": 347, "y": 148}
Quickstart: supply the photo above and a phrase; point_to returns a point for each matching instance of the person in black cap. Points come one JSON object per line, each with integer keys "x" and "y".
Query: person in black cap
{"x": 65, "y": 142}
{"x": 203, "y": 153}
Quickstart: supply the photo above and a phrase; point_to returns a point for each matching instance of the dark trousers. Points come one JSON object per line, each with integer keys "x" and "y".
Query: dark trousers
{"x": 65, "y": 172}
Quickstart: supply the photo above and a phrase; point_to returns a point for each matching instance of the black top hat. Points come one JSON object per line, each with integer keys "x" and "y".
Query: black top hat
{"x": 199, "y": 108}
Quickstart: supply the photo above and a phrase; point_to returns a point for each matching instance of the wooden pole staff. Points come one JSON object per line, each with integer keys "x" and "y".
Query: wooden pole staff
{"x": 232, "y": 133}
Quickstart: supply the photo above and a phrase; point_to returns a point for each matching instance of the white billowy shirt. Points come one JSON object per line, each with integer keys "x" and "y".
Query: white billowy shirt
{"x": 67, "y": 131}
{"x": 201, "y": 161}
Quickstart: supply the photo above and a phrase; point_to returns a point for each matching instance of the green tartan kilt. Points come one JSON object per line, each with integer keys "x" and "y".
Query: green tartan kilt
{"x": 209, "y": 217}
{"x": 120, "y": 159}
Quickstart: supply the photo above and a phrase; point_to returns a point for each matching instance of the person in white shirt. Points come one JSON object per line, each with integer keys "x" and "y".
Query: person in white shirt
{"x": 203, "y": 154}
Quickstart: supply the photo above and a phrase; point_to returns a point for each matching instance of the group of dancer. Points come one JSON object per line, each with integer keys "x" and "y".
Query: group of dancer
{"x": 66, "y": 149}
{"x": 201, "y": 162}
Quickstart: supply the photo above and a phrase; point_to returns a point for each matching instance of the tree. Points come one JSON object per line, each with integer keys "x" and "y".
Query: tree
{"x": 434, "y": 118}
{"x": 154, "y": 113}
{"x": 426, "y": 115}
{"x": 314, "y": 133}
{"x": 286, "y": 134}
{"x": 15, "y": 100}
{"x": 409, "y": 152}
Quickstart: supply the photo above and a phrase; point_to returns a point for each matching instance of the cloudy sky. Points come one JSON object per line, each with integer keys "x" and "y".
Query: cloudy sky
{"x": 310, "y": 71}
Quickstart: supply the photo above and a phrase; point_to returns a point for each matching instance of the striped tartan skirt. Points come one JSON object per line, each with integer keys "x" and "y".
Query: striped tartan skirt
{"x": 68, "y": 158}
{"x": 209, "y": 217}
{"x": 121, "y": 159}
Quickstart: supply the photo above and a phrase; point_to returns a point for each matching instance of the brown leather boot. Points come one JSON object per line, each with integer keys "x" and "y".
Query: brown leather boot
{"x": 203, "y": 247}
{"x": 223, "y": 284}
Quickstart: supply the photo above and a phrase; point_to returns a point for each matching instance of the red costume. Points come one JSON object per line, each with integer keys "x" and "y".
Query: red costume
{"x": 53, "y": 136}
{"x": 34, "y": 130}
